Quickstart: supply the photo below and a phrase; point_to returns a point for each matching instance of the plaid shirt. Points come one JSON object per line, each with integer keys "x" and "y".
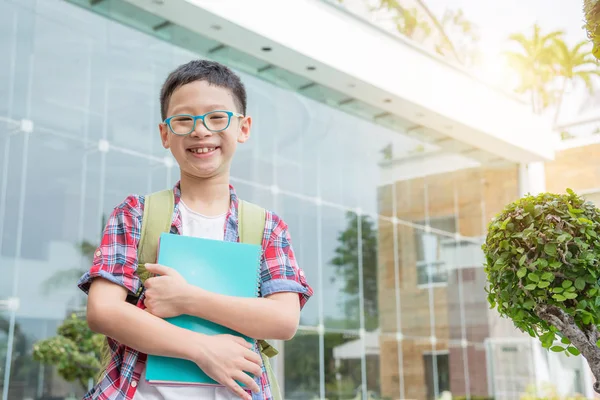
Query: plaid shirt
{"x": 116, "y": 260}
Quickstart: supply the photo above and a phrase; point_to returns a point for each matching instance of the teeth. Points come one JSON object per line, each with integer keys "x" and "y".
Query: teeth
{"x": 203, "y": 150}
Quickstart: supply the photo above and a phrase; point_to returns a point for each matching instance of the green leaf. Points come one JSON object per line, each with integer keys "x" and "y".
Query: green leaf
{"x": 559, "y": 297}
{"x": 570, "y": 295}
{"x": 565, "y": 340}
{"x": 548, "y": 276}
{"x": 564, "y": 237}
{"x": 557, "y": 290}
{"x": 570, "y": 191}
{"x": 543, "y": 284}
{"x": 592, "y": 292}
{"x": 567, "y": 284}
{"x": 557, "y": 349}
{"x": 522, "y": 260}
{"x": 505, "y": 223}
{"x": 555, "y": 264}
{"x": 530, "y": 287}
{"x": 573, "y": 350}
{"x": 598, "y": 343}
{"x": 528, "y": 304}
{"x": 550, "y": 249}
{"x": 522, "y": 272}
{"x": 580, "y": 283}
{"x": 533, "y": 277}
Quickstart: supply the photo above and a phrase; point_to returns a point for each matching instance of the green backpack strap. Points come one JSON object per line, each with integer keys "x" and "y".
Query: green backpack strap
{"x": 251, "y": 227}
{"x": 157, "y": 218}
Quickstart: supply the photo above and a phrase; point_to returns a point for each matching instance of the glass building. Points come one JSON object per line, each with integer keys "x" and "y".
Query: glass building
{"x": 386, "y": 222}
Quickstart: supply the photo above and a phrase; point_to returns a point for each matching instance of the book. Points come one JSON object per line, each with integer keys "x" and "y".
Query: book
{"x": 227, "y": 268}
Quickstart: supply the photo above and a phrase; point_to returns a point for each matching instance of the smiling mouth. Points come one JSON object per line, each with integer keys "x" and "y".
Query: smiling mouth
{"x": 202, "y": 150}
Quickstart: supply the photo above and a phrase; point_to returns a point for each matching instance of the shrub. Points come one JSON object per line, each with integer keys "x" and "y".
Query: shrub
{"x": 542, "y": 258}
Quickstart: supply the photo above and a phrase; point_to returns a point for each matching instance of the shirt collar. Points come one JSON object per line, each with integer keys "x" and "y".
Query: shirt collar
{"x": 233, "y": 201}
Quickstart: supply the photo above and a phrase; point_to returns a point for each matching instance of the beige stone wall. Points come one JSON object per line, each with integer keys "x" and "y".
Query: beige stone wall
{"x": 577, "y": 168}
{"x": 474, "y": 196}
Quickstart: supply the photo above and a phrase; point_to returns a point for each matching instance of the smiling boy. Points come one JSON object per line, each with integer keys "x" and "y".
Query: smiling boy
{"x": 203, "y": 107}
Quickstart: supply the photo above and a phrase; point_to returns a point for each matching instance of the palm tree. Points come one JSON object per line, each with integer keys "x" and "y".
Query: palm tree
{"x": 592, "y": 24}
{"x": 534, "y": 64}
{"x": 573, "y": 65}
{"x": 69, "y": 277}
{"x": 407, "y": 21}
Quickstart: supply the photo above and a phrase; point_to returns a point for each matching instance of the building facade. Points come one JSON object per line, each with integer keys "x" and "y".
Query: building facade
{"x": 385, "y": 162}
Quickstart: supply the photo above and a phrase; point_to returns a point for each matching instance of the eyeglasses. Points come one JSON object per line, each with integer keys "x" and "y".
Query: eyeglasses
{"x": 214, "y": 121}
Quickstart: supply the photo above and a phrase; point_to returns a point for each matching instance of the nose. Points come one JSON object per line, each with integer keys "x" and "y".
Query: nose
{"x": 200, "y": 130}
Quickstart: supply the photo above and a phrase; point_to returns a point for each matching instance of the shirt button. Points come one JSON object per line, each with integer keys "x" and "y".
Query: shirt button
{"x": 134, "y": 384}
{"x": 98, "y": 253}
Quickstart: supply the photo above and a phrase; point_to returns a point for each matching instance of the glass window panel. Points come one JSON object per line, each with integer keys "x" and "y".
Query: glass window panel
{"x": 302, "y": 365}
{"x": 302, "y": 220}
{"x": 344, "y": 353}
{"x": 341, "y": 304}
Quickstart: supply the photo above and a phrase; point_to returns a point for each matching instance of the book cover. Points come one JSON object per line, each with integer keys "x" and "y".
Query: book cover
{"x": 227, "y": 268}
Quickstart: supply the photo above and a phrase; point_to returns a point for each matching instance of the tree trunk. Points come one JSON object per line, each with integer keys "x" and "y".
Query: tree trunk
{"x": 583, "y": 340}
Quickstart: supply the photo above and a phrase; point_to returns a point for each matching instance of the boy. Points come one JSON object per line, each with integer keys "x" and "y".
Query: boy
{"x": 203, "y": 107}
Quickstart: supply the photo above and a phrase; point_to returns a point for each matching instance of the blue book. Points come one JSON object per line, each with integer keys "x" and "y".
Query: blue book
{"x": 227, "y": 268}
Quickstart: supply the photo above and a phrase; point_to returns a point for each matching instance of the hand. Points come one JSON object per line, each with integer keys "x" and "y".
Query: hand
{"x": 225, "y": 358}
{"x": 165, "y": 295}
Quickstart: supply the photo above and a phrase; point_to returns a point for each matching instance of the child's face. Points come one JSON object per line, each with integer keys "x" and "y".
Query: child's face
{"x": 198, "y": 98}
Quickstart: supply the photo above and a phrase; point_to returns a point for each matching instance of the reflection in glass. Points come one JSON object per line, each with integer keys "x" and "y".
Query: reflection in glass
{"x": 302, "y": 365}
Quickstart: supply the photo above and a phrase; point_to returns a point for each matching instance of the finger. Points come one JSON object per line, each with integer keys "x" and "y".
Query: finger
{"x": 159, "y": 269}
{"x": 241, "y": 341}
{"x": 252, "y": 368}
{"x": 237, "y": 390}
{"x": 248, "y": 381}
{"x": 253, "y": 357}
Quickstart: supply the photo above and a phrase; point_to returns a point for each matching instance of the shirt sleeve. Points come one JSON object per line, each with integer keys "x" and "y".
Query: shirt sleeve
{"x": 116, "y": 257}
{"x": 279, "y": 270}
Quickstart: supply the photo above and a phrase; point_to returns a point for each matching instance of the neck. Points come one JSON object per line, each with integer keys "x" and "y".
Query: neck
{"x": 206, "y": 196}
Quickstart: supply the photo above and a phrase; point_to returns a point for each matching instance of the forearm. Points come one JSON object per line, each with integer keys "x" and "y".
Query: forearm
{"x": 258, "y": 318}
{"x": 143, "y": 331}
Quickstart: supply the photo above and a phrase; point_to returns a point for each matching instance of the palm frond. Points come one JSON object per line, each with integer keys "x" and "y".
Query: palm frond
{"x": 62, "y": 279}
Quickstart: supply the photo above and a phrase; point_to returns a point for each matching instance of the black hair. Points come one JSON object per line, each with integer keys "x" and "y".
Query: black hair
{"x": 203, "y": 70}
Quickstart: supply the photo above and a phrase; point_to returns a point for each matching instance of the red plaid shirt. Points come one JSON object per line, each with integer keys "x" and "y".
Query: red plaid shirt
{"x": 116, "y": 260}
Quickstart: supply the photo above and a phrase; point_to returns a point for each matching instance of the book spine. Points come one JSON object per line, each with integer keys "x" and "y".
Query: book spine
{"x": 258, "y": 271}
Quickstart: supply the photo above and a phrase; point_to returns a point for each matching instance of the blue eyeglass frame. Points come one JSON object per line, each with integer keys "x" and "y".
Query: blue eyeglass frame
{"x": 230, "y": 114}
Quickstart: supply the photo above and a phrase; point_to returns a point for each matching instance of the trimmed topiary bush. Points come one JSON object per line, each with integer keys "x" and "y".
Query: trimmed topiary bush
{"x": 542, "y": 263}
{"x": 591, "y": 9}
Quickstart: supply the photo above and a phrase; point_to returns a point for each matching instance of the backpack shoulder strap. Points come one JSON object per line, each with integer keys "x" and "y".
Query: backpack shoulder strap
{"x": 251, "y": 223}
{"x": 157, "y": 218}
{"x": 251, "y": 228}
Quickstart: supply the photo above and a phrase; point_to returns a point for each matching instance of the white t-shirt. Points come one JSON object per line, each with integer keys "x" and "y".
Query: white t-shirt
{"x": 198, "y": 225}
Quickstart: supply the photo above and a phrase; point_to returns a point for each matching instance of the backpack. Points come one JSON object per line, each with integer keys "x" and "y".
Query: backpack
{"x": 157, "y": 218}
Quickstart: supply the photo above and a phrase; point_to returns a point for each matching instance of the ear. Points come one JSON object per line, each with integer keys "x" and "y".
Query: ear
{"x": 164, "y": 135}
{"x": 244, "y": 130}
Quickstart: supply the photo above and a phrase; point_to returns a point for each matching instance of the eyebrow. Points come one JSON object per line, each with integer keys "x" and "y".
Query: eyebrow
{"x": 211, "y": 107}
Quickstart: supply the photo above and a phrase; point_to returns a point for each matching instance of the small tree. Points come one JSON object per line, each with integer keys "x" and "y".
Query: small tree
{"x": 75, "y": 351}
{"x": 591, "y": 9}
{"x": 542, "y": 263}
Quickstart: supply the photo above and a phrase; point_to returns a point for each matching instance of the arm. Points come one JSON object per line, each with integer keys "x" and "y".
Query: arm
{"x": 107, "y": 309}
{"x": 223, "y": 357}
{"x": 274, "y": 316}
